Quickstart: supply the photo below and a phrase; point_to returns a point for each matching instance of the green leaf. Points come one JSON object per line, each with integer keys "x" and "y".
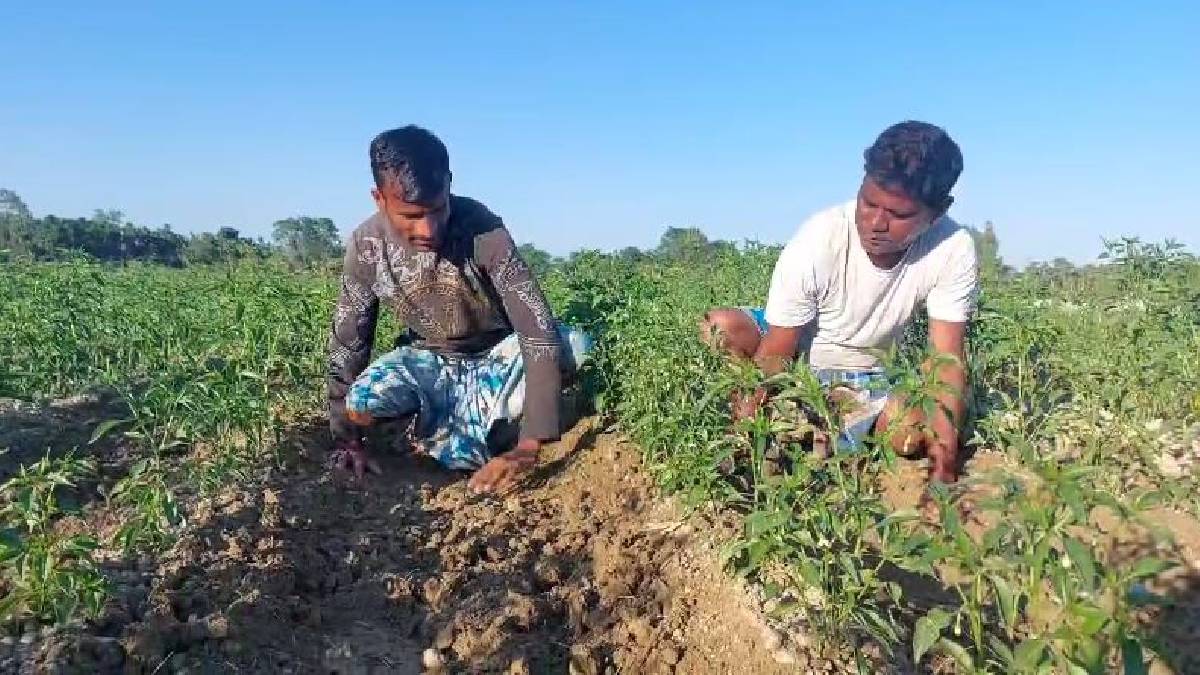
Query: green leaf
{"x": 1028, "y": 654}
{"x": 902, "y": 516}
{"x": 105, "y": 427}
{"x": 1093, "y": 619}
{"x": 883, "y": 629}
{"x": 1081, "y": 558}
{"x": 1002, "y": 650}
{"x": 1006, "y": 599}
{"x": 809, "y": 572}
{"x": 928, "y": 630}
{"x": 914, "y": 542}
{"x": 1132, "y": 659}
{"x": 960, "y": 655}
{"x": 1070, "y": 495}
{"x": 1076, "y": 669}
{"x": 81, "y": 545}
{"x": 1149, "y": 567}
{"x": 8, "y": 605}
{"x": 1088, "y": 654}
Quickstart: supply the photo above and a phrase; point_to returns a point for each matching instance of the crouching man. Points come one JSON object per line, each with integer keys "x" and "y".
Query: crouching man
{"x": 848, "y": 282}
{"x": 483, "y": 348}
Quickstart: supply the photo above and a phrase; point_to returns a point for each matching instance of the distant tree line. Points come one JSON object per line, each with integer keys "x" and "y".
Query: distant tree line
{"x": 691, "y": 245}
{"x": 107, "y": 236}
{"x": 308, "y": 241}
{"x": 677, "y": 244}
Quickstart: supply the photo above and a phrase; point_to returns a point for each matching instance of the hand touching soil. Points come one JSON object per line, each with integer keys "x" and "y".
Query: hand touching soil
{"x": 746, "y": 406}
{"x": 353, "y": 458}
{"x": 503, "y": 472}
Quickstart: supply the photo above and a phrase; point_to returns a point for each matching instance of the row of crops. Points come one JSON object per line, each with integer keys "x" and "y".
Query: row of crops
{"x": 1085, "y": 387}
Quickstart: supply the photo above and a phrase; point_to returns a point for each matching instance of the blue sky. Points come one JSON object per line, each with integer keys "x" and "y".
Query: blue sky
{"x": 598, "y": 125}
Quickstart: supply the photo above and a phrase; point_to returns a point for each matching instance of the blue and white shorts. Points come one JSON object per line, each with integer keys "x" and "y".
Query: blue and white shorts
{"x": 457, "y": 399}
{"x": 869, "y": 389}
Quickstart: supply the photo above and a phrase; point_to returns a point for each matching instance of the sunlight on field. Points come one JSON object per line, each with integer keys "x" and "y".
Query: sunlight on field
{"x": 1068, "y": 547}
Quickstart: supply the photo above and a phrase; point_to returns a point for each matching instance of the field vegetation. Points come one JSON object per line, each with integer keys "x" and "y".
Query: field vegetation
{"x": 1061, "y": 550}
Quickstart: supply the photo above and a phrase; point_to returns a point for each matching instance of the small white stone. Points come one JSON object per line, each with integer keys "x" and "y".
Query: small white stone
{"x": 1169, "y": 466}
{"x": 433, "y": 659}
{"x": 784, "y": 657}
{"x": 771, "y": 639}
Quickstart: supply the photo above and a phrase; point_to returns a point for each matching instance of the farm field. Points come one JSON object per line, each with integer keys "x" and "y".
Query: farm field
{"x": 165, "y": 504}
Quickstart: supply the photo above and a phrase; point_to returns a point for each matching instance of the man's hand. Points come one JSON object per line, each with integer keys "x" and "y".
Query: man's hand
{"x": 746, "y": 406}
{"x": 944, "y": 463}
{"x": 931, "y": 511}
{"x": 942, "y": 449}
{"x": 503, "y": 472}
{"x": 352, "y": 456}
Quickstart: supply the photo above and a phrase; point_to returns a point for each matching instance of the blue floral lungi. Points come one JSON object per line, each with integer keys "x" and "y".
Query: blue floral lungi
{"x": 457, "y": 399}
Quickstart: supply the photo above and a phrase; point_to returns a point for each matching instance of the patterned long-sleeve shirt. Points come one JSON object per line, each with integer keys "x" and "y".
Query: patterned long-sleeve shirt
{"x": 461, "y": 300}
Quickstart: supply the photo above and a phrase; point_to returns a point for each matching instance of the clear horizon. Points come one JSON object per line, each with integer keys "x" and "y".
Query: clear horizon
{"x": 600, "y": 128}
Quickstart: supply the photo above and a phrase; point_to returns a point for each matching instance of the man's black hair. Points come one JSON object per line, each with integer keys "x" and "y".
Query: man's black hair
{"x": 918, "y": 158}
{"x": 415, "y": 158}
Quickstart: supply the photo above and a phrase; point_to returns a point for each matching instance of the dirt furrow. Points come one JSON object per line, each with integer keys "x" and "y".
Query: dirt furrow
{"x": 583, "y": 571}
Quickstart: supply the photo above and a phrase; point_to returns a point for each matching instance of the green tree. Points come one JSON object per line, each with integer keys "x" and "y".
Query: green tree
{"x": 104, "y": 236}
{"x": 14, "y": 224}
{"x": 226, "y": 246}
{"x": 12, "y": 206}
{"x": 538, "y": 260}
{"x": 689, "y": 244}
{"x": 108, "y": 217}
{"x": 987, "y": 247}
{"x": 631, "y": 254}
{"x": 682, "y": 243}
{"x": 306, "y": 240}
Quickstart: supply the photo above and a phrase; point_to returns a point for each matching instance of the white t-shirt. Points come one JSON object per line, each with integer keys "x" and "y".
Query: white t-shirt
{"x": 824, "y": 274}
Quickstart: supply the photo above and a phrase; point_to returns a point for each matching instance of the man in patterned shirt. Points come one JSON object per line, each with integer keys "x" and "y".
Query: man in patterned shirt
{"x": 484, "y": 346}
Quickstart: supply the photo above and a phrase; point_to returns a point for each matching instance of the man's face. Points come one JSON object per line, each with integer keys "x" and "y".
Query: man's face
{"x": 889, "y": 221}
{"x": 422, "y": 225}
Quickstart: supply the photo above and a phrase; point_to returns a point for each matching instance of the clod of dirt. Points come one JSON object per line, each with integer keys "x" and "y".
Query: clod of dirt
{"x": 216, "y": 626}
{"x": 582, "y": 662}
{"x": 670, "y": 655}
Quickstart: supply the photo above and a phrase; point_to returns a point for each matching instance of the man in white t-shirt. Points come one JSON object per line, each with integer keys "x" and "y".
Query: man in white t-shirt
{"x": 846, "y": 285}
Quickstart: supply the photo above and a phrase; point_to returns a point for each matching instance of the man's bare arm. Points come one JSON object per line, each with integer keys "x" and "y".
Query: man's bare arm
{"x": 775, "y": 354}
{"x": 779, "y": 347}
{"x": 948, "y": 342}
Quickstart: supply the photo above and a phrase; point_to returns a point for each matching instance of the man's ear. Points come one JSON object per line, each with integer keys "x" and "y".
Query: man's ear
{"x": 941, "y": 211}
{"x": 378, "y": 197}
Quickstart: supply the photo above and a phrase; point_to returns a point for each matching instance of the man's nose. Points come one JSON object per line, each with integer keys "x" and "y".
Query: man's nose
{"x": 426, "y": 227}
{"x": 878, "y": 221}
